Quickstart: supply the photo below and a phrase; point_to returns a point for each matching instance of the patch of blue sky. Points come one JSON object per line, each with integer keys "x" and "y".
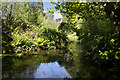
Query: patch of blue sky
{"x": 48, "y": 5}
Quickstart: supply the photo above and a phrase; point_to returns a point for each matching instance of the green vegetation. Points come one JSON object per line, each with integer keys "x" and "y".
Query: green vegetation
{"x": 96, "y": 25}
{"x": 26, "y": 28}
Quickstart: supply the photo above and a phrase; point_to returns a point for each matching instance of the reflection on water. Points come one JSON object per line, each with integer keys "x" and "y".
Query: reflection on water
{"x": 37, "y": 66}
{"x": 51, "y": 70}
{"x": 57, "y": 64}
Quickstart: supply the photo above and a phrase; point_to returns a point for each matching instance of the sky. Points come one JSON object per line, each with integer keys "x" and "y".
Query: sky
{"x": 49, "y": 5}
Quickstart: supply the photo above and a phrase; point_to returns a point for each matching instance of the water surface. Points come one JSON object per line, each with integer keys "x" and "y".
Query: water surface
{"x": 68, "y": 63}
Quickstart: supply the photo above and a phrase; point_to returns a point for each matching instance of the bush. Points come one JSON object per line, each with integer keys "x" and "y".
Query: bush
{"x": 56, "y": 39}
{"x": 100, "y": 41}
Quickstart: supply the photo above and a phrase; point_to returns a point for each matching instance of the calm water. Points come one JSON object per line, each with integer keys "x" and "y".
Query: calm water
{"x": 56, "y": 64}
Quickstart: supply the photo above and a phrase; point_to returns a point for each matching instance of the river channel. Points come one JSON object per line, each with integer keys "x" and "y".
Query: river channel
{"x": 68, "y": 63}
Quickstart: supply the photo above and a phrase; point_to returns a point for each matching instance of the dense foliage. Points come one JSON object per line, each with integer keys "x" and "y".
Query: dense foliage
{"x": 97, "y": 26}
{"x": 24, "y": 28}
{"x": 89, "y": 36}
